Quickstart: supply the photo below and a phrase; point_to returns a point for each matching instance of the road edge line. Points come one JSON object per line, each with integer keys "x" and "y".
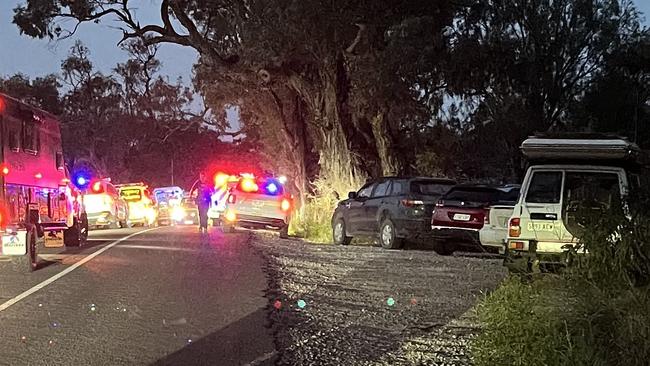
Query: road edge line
{"x": 74, "y": 266}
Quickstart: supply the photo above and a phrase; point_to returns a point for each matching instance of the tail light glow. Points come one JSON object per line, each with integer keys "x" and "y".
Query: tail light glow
{"x": 285, "y": 205}
{"x": 97, "y": 187}
{"x": 411, "y": 203}
{"x": 514, "y": 229}
{"x": 4, "y": 169}
{"x": 231, "y": 215}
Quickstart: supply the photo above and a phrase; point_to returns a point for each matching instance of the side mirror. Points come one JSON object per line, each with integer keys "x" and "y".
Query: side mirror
{"x": 352, "y": 195}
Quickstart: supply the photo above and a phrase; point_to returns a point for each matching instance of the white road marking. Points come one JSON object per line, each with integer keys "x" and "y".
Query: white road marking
{"x": 76, "y": 265}
{"x": 156, "y": 247}
{"x": 261, "y": 359}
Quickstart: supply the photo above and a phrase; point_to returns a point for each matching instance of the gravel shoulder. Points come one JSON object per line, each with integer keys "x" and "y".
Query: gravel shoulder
{"x": 360, "y": 305}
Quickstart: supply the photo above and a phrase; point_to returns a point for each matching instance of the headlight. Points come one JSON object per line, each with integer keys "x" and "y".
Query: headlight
{"x": 178, "y": 213}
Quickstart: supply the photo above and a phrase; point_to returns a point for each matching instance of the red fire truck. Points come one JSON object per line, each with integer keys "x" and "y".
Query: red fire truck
{"x": 39, "y": 208}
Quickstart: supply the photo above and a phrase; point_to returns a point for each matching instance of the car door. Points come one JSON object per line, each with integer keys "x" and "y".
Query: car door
{"x": 541, "y": 219}
{"x": 373, "y": 204}
{"x": 356, "y": 210}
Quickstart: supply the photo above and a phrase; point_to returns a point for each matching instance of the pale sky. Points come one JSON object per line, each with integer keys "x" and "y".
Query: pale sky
{"x": 40, "y": 57}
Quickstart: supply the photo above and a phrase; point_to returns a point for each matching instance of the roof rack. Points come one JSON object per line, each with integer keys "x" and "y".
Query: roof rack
{"x": 580, "y": 147}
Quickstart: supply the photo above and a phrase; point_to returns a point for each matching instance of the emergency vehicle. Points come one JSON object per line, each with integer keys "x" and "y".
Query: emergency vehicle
{"x": 258, "y": 203}
{"x": 38, "y": 206}
{"x": 167, "y": 198}
{"x": 104, "y": 206}
{"x": 223, "y": 183}
{"x": 142, "y": 210}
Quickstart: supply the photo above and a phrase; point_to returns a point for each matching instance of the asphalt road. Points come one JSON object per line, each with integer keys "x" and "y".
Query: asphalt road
{"x": 166, "y": 296}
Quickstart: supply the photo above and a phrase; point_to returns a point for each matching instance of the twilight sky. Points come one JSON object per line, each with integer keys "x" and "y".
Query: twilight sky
{"x": 39, "y": 57}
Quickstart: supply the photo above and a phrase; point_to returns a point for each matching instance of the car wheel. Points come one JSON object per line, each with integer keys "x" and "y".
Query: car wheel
{"x": 339, "y": 233}
{"x": 72, "y": 235}
{"x": 388, "y": 237}
{"x": 28, "y": 262}
{"x": 443, "y": 247}
{"x": 284, "y": 232}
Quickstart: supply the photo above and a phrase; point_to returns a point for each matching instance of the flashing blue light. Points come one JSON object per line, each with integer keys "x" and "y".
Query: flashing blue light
{"x": 81, "y": 181}
{"x": 272, "y": 188}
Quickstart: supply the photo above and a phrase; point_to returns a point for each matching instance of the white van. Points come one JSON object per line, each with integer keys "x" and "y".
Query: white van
{"x": 565, "y": 176}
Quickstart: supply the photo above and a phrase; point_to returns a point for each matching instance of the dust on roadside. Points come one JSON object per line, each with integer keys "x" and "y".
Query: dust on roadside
{"x": 365, "y": 306}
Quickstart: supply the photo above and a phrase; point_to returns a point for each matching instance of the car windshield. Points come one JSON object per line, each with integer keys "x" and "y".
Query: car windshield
{"x": 430, "y": 187}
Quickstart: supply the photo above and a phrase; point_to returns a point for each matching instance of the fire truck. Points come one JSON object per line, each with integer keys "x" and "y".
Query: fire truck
{"x": 39, "y": 208}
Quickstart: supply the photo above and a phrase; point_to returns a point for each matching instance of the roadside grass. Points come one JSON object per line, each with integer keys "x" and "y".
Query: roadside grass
{"x": 596, "y": 312}
{"x": 313, "y": 222}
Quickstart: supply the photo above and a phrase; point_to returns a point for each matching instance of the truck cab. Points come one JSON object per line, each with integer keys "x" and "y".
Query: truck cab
{"x": 566, "y": 178}
{"x": 39, "y": 207}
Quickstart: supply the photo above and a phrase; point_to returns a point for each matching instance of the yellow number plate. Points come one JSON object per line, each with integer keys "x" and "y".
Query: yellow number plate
{"x": 541, "y": 226}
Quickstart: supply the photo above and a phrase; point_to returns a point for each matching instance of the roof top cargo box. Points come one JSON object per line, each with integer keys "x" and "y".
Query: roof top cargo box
{"x": 610, "y": 148}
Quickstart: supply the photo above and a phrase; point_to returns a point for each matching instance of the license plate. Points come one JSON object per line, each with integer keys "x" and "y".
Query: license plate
{"x": 462, "y": 217}
{"x": 541, "y": 226}
{"x": 257, "y": 203}
{"x": 189, "y": 222}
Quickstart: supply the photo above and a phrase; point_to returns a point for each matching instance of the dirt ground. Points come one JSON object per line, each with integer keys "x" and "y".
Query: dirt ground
{"x": 361, "y": 305}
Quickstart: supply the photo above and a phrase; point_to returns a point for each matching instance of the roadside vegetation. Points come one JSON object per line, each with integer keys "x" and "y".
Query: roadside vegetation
{"x": 597, "y": 312}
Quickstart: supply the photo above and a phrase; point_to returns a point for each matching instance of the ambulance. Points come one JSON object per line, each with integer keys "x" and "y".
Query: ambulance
{"x": 39, "y": 208}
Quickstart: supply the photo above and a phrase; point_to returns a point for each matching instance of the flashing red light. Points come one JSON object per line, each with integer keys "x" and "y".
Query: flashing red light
{"x": 38, "y": 175}
{"x": 5, "y": 170}
{"x": 285, "y": 205}
{"x": 97, "y": 187}
{"x": 2, "y": 105}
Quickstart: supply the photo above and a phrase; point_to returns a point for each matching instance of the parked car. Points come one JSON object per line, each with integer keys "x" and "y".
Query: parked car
{"x": 104, "y": 206}
{"x": 494, "y": 232}
{"x": 565, "y": 178}
{"x": 465, "y": 210}
{"x": 393, "y": 208}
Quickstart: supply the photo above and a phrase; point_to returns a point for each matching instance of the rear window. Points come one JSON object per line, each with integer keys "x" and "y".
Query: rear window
{"x": 545, "y": 187}
{"x": 430, "y": 188}
{"x": 131, "y": 194}
{"x": 188, "y": 202}
{"x": 477, "y": 195}
{"x": 509, "y": 197}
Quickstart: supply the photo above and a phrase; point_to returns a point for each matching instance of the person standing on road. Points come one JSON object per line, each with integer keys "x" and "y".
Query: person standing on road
{"x": 203, "y": 197}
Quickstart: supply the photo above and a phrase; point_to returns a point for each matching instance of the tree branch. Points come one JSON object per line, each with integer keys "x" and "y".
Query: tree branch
{"x": 357, "y": 39}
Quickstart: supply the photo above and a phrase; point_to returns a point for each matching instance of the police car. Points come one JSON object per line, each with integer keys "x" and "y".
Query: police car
{"x": 258, "y": 203}
{"x": 142, "y": 210}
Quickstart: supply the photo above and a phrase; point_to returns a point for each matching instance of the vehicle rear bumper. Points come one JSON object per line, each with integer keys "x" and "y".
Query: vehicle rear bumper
{"x": 461, "y": 236}
{"x": 414, "y": 229}
{"x": 260, "y": 220}
{"x": 100, "y": 218}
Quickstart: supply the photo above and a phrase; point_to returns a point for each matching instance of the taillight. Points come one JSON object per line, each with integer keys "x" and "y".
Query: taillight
{"x": 411, "y": 203}
{"x": 486, "y": 220}
{"x": 440, "y": 203}
{"x": 514, "y": 229}
{"x": 232, "y": 199}
{"x": 285, "y": 205}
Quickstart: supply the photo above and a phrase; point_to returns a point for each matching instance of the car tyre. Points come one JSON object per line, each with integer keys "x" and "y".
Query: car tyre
{"x": 228, "y": 228}
{"x": 284, "y": 232}
{"x": 339, "y": 233}
{"x": 72, "y": 236}
{"x": 443, "y": 247}
{"x": 388, "y": 236}
{"x": 29, "y": 262}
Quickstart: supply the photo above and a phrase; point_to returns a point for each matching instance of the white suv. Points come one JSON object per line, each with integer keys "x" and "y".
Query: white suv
{"x": 565, "y": 177}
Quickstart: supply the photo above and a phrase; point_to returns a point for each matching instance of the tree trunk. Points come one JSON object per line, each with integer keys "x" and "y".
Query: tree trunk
{"x": 384, "y": 143}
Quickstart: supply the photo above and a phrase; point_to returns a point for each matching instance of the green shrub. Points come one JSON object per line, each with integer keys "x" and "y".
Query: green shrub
{"x": 597, "y": 312}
